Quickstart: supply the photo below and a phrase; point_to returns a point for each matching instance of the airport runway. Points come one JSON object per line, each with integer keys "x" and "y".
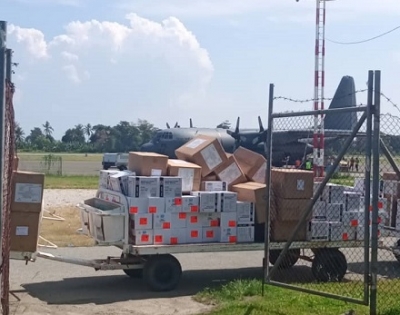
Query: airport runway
{"x": 68, "y": 167}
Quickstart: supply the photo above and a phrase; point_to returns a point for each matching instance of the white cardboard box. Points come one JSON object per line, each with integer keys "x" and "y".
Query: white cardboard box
{"x": 227, "y": 201}
{"x": 141, "y": 221}
{"x": 334, "y": 212}
{"x": 245, "y": 234}
{"x": 215, "y": 186}
{"x": 143, "y": 186}
{"x": 104, "y": 178}
{"x": 320, "y": 210}
{"x": 179, "y": 220}
{"x": 208, "y": 201}
{"x": 336, "y": 231}
{"x": 352, "y": 201}
{"x": 318, "y": 230}
{"x": 156, "y": 205}
{"x": 194, "y": 235}
{"x": 162, "y": 221}
{"x": 173, "y": 204}
{"x": 194, "y": 220}
{"x": 178, "y": 236}
{"x": 162, "y": 237}
{"x": 353, "y": 218}
{"x": 119, "y": 182}
{"x": 333, "y": 193}
{"x": 170, "y": 186}
{"x": 228, "y": 235}
{"x": 245, "y": 212}
{"x": 210, "y": 219}
{"x": 190, "y": 204}
{"x": 143, "y": 237}
{"x": 211, "y": 234}
{"x": 228, "y": 219}
{"x": 138, "y": 205}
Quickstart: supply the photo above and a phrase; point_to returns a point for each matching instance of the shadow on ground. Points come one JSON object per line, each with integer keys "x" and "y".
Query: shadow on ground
{"x": 118, "y": 288}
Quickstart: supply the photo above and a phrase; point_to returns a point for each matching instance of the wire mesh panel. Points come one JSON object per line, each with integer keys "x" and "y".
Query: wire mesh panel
{"x": 9, "y": 154}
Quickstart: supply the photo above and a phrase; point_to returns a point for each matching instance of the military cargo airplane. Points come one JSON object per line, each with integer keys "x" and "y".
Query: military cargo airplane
{"x": 289, "y": 145}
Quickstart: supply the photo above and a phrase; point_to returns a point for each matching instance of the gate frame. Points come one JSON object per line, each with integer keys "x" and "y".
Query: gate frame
{"x": 371, "y": 114}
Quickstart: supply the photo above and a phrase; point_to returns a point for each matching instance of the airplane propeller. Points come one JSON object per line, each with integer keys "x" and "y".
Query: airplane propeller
{"x": 190, "y": 123}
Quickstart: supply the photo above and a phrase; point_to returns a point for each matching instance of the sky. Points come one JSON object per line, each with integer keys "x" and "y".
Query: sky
{"x": 102, "y": 62}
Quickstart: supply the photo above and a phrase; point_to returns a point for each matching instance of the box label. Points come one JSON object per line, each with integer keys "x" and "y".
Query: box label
{"x": 230, "y": 174}
{"x": 211, "y": 156}
{"x": 300, "y": 184}
{"x": 195, "y": 143}
{"x": 22, "y": 230}
{"x": 29, "y": 193}
{"x": 187, "y": 175}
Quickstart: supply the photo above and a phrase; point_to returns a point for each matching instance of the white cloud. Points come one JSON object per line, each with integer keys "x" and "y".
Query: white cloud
{"x": 134, "y": 69}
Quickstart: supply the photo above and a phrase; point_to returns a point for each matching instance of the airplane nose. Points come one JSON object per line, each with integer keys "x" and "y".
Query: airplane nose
{"x": 147, "y": 147}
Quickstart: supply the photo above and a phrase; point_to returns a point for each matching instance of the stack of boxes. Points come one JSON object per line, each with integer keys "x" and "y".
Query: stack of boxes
{"x": 26, "y": 210}
{"x": 339, "y": 213}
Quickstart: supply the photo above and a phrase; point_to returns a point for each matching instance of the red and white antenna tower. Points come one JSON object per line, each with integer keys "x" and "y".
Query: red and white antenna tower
{"x": 319, "y": 84}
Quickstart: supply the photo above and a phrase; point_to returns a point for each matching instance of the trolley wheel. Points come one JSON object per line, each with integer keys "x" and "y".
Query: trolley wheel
{"x": 133, "y": 273}
{"x": 122, "y": 168}
{"x": 162, "y": 272}
{"x": 329, "y": 265}
{"x": 290, "y": 259}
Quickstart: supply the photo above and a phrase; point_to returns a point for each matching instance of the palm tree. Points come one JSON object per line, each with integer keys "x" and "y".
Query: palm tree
{"x": 48, "y": 130}
{"x": 19, "y": 134}
{"x": 88, "y": 131}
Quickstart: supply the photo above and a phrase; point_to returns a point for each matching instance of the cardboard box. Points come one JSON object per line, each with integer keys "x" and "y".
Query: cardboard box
{"x": 138, "y": 205}
{"x": 334, "y": 212}
{"x": 320, "y": 210}
{"x": 104, "y": 178}
{"x": 256, "y": 193}
{"x": 189, "y": 172}
{"x": 194, "y": 220}
{"x": 230, "y": 172}
{"x": 24, "y": 231}
{"x": 156, "y": 205}
{"x": 148, "y": 163}
{"x": 178, "y": 220}
{"x": 27, "y": 192}
{"x": 333, "y": 193}
{"x": 245, "y": 212}
{"x": 119, "y": 182}
{"x": 161, "y": 237}
{"x": 143, "y": 186}
{"x": 337, "y": 232}
{"x": 282, "y": 230}
{"x": 170, "y": 186}
{"x": 177, "y": 236}
{"x": 210, "y": 219}
{"x": 162, "y": 221}
{"x": 209, "y": 178}
{"x": 194, "y": 235}
{"x": 173, "y": 205}
{"x": 141, "y": 221}
{"x": 214, "y": 186}
{"x": 291, "y": 209}
{"x": 228, "y": 219}
{"x": 389, "y": 176}
{"x": 208, "y": 201}
{"x": 228, "y": 235}
{"x": 352, "y": 201}
{"x": 211, "y": 234}
{"x": 142, "y": 237}
{"x": 318, "y": 230}
{"x": 190, "y": 203}
{"x": 292, "y": 183}
{"x": 254, "y": 165}
{"x": 204, "y": 151}
{"x": 245, "y": 234}
{"x": 227, "y": 201}
{"x": 15, "y": 163}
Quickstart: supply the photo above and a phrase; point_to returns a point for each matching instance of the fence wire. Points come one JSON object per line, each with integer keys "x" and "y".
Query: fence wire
{"x": 9, "y": 154}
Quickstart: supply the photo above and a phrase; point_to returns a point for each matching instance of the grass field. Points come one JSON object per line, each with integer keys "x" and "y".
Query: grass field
{"x": 71, "y": 182}
{"x": 243, "y": 297}
{"x": 63, "y": 233}
{"x": 70, "y": 157}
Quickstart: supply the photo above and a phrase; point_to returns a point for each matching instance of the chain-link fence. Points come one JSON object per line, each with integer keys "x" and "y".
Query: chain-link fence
{"x": 49, "y": 164}
{"x": 336, "y": 235}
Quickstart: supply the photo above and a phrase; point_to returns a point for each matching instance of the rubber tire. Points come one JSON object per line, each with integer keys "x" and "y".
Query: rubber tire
{"x": 158, "y": 267}
{"x": 133, "y": 273}
{"x": 288, "y": 261}
{"x": 329, "y": 265}
{"x": 122, "y": 168}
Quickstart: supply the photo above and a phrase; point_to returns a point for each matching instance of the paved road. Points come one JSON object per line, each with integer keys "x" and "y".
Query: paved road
{"x": 47, "y": 287}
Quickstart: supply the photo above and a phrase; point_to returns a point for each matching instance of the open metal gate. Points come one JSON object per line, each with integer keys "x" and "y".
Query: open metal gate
{"x": 332, "y": 224}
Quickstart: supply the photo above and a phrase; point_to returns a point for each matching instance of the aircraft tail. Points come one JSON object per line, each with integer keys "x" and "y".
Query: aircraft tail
{"x": 345, "y": 96}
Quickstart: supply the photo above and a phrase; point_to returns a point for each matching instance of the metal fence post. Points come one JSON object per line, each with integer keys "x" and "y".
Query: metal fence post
{"x": 268, "y": 184}
{"x": 3, "y": 40}
{"x": 375, "y": 195}
{"x": 368, "y": 185}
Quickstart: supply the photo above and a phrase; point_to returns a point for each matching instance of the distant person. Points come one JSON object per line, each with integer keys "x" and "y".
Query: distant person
{"x": 298, "y": 163}
{"x": 351, "y": 163}
{"x": 308, "y": 165}
{"x": 357, "y": 161}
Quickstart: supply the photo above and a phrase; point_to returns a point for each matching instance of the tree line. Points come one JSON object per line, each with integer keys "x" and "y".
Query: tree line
{"x": 123, "y": 137}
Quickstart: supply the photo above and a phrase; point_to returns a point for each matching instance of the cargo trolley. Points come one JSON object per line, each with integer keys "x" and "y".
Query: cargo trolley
{"x": 161, "y": 270}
